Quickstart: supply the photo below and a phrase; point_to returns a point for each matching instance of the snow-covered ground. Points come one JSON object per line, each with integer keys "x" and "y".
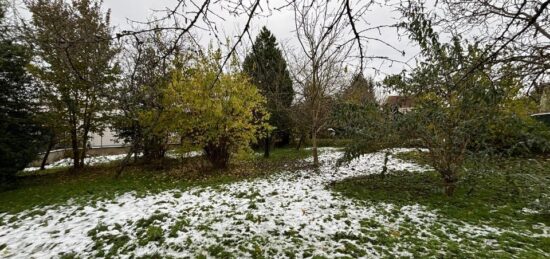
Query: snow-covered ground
{"x": 67, "y": 162}
{"x": 291, "y": 213}
{"x": 96, "y": 160}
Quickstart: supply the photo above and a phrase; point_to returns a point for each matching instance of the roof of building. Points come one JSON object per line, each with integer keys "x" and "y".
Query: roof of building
{"x": 540, "y": 114}
{"x": 401, "y": 101}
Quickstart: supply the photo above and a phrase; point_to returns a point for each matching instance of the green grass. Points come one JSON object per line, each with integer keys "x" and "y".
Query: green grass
{"x": 490, "y": 193}
{"x": 57, "y": 186}
{"x": 281, "y": 155}
{"x": 118, "y": 243}
{"x": 494, "y": 192}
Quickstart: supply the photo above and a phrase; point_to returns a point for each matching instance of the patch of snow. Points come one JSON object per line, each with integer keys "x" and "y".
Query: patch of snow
{"x": 529, "y": 211}
{"x": 68, "y": 162}
{"x": 184, "y": 155}
{"x": 96, "y": 160}
{"x": 291, "y": 211}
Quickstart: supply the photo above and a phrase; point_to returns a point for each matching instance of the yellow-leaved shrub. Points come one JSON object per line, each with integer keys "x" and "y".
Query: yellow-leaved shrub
{"x": 223, "y": 113}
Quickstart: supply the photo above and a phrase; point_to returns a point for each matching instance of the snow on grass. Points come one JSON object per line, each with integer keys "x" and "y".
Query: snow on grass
{"x": 292, "y": 213}
{"x": 68, "y": 162}
{"x": 96, "y": 160}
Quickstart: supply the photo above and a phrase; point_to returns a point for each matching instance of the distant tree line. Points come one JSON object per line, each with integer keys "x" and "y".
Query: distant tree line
{"x": 68, "y": 76}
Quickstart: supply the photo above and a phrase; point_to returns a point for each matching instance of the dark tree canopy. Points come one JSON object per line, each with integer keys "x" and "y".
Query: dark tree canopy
{"x": 268, "y": 70}
{"x": 20, "y": 136}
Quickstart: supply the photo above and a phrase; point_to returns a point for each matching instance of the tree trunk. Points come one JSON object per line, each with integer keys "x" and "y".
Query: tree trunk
{"x": 47, "y": 154}
{"x": 314, "y": 148}
{"x": 154, "y": 149}
{"x": 76, "y": 151}
{"x": 285, "y": 138}
{"x": 84, "y": 147}
{"x": 135, "y": 156}
{"x": 218, "y": 155}
{"x": 266, "y": 146}
{"x": 83, "y": 154}
{"x": 385, "y": 167}
{"x": 125, "y": 161}
{"x": 449, "y": 181}
{"x": 300, "y": 142}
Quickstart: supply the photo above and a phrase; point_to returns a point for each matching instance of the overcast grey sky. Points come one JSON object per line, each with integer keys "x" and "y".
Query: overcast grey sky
{"x": 281, "y": 23}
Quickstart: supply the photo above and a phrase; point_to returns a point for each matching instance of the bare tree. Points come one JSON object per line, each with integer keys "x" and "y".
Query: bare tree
{"x": 514, "y": 32}
{"x": 188, "y": 16}
{"x": 319, "y": 67}
{"x": 148, "y": 61}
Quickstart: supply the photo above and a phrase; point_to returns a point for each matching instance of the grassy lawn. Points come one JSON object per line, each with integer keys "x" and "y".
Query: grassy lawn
{"x": 494, "y": 193}
{"x": 325, "y": 213}
{"x": 55, "y": 186}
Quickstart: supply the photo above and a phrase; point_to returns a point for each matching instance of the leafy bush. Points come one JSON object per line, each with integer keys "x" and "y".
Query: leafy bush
{"x": 510, "y": 130}
{"x": 514, "y": 135}
{"x": 461, "y": 108}
{"x": 223, "y": 113}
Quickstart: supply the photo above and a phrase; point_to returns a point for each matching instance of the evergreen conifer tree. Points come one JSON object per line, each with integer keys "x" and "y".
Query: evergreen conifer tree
{"x": 268, "y": 70}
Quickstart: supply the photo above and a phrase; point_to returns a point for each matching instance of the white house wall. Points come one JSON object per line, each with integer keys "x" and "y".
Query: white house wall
{"x": 105, "y": 139}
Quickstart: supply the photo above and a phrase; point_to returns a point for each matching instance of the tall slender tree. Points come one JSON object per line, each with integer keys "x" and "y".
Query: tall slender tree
{"x": 76, "y": 63}
{"x": 20, "y": 134}
{"x": 268, "y": 70}
{"x": 319, "y": 68}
